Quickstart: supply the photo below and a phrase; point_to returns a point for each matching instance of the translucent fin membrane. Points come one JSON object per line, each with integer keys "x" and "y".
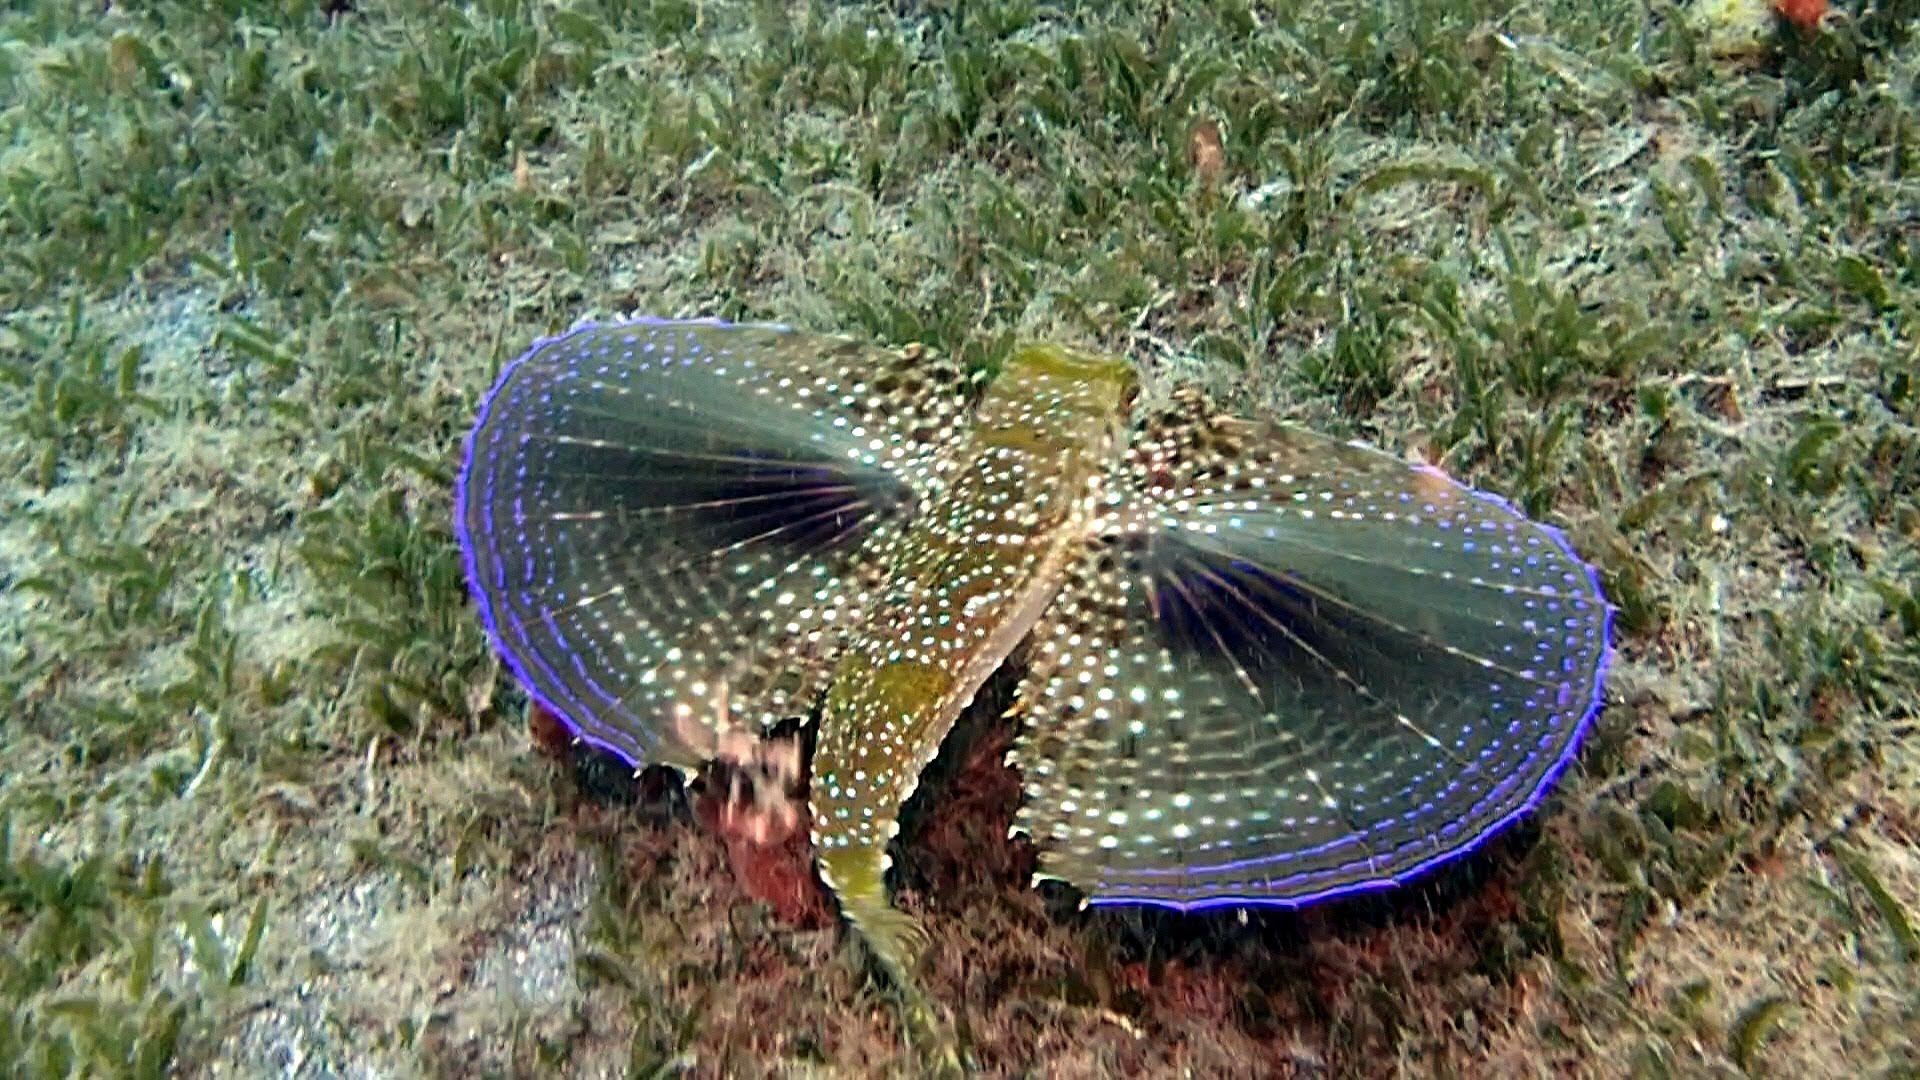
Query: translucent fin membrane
{"x": 667, "y": 524}
{"x": 1295, "y": 668}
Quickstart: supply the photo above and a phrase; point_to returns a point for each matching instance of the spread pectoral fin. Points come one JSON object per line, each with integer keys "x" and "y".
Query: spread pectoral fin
{"x": 668, "y": 521}
{"x": 1299, "y": 668}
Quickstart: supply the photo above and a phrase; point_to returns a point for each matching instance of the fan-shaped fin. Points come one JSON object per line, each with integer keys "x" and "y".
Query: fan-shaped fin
{"x": 1296, "y": 667}
{"x": 670, "y": 523}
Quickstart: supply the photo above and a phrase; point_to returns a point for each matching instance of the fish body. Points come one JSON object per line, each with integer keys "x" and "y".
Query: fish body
{"x": 1016, "y": 497}
{"x": 1265, "y": 667}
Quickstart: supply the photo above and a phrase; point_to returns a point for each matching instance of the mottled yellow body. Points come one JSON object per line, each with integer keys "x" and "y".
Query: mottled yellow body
{"x": 961, "y": 591}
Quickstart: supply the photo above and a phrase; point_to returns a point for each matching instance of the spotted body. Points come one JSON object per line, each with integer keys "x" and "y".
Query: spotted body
{"x": 1265, "y": 666}
{"x": 1016, "y": 496}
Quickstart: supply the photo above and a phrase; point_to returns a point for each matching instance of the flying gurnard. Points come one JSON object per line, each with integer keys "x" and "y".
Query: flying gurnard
{"x": 1262, "y": 666}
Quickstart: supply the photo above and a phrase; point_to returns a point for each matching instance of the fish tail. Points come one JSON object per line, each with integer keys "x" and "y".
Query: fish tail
{"x": 857, "y": 877}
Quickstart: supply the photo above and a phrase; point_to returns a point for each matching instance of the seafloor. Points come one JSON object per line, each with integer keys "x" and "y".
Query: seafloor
{"x": 268, "y": 806}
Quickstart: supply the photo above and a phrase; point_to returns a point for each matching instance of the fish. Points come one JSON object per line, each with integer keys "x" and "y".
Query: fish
{"x": 1263, "y": 666}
